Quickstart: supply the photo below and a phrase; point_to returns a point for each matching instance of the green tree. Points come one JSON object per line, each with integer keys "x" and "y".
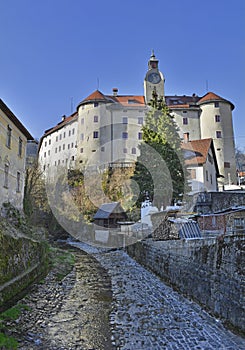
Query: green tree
{"x": 160, "y": 167}
{"x": 35, "y": 199}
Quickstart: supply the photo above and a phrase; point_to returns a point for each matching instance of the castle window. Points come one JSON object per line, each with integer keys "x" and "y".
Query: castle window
{"x": 73, "y": 131}
{"x": 63, "y": 146}
{"x": 206, "y": 175}
{"x": 125, "y": 150}
{"x": 69, "y": 133}
{"x": 140, "y": 120}
{"x": 81, "y": 150}
{"x": 57, "y": 138}
{"x": 82, "y": 121}
{"x": 48, "y": 152}
{"x": 217, "y": 118}
{"x": 60, "y": 136}
{"x": 45, "y": 143}
{"x": 44, "y": 154}
{"x": 133, "y": 150}
{"x": 49, "y": 142}
{"x": 18, "y": 182}
{"x": 216, "y": 104}
{"x": 72, "y": 144}
{"x": 218, "y": 134}
{"x": 102, "y": 149}
{"x": 125, "y": 120}
{"x": 20, "y": 147}
{"x": 55, "y": 149}
{"x": 96, "y": 134}
{"x": 96, "y": 119}
{"x": 185, "y": 121}
{"x": 9, "y": 133}
{"x": 6, "y": 176}
{"x": 211, "y": 179}
{"x": 82, "y": 137}
{"x": 227, "y": 164}
{"x": 124, "y": 135}
{"x": 96, "y": 104}
{"x": 140, "y": 136}
{"x": 59, "y": 148}
{"x": 64, "y": 135}
{"x": 210, "y": 158}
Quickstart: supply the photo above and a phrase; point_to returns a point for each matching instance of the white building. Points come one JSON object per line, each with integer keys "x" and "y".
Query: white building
{"x": 58, "y": 146}
{"x": 108, "y": 127}
{"x": 202, "y": 166}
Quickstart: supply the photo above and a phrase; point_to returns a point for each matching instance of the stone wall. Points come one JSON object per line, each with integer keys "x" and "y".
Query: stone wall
{"x": 210, "y": 202}
{"x": 22, "y": 261}
{"x": 209, "y": 271}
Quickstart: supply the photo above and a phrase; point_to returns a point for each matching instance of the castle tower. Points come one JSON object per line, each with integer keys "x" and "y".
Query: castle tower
{"x": 154, "y": 80}
{"x": 216, "y": 122}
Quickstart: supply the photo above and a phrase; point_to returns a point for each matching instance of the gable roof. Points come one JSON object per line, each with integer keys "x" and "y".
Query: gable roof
{"x": 211, "y": 97}
{"x": 15, "y": 120}
{"x": 96, "y": 96}
{"x": 107, "y": 209}
{"x": 198, "y": 152}
{"x": 125, "y": 100}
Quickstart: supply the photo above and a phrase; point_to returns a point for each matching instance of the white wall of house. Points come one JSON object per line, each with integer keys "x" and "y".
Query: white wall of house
{"x": 191, "y": 117}
{"x": 12, "y": 162}
{"x": 108, "y": 133}
{"x": 59, "y": 148}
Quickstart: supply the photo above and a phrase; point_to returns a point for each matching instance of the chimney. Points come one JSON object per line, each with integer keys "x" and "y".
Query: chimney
{"x": 63, "y": 117}
{"x": 115, "y": 91}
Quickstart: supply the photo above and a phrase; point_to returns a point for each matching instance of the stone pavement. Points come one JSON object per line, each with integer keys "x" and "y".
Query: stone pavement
{"x": 147, "y": 314}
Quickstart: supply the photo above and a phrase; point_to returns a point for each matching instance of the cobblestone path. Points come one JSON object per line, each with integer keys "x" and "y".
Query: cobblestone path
{"x": 149, "y": 315}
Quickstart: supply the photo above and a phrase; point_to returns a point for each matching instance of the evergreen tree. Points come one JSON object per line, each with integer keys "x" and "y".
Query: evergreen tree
{"x": 160, "y": 167}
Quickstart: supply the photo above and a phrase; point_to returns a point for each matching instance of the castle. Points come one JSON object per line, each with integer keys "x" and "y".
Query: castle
{"x": 106, "y": 129}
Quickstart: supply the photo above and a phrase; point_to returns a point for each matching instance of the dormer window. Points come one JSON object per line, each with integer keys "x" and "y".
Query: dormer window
{"x": 96, "y": 104}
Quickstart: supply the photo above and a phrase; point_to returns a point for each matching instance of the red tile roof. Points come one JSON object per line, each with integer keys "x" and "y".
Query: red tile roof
{"x": 132, "y": 100}
{"x": 96, "y": 96}
{"x": 198, "y": 151}
{"x": 210, "y": 97}
{"x": 60, "y": 125}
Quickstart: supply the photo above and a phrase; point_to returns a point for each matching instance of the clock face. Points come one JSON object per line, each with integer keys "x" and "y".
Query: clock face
{"x": 154, "y": 78}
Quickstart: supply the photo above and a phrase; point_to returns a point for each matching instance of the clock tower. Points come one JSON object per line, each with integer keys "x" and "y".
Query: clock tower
{"x": 154, "y": 80}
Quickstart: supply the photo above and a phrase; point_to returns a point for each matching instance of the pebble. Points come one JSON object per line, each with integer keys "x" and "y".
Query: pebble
{"x": 109, "y": 302}
{"x": 149, "y": 315}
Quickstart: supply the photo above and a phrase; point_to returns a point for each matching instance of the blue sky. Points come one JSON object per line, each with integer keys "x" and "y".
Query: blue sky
{"x": 56, "y": 52}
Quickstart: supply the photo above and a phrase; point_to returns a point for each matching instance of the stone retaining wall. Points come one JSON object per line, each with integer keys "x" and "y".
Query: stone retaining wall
{"x": 22, "y": 260}
{"x": 210, "y": 271}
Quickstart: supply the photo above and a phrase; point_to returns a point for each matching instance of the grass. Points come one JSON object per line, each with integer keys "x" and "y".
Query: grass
{"x": 7, "y": 342}
{"x": 14, "y": 312}
{"x": 62, "y": 262}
